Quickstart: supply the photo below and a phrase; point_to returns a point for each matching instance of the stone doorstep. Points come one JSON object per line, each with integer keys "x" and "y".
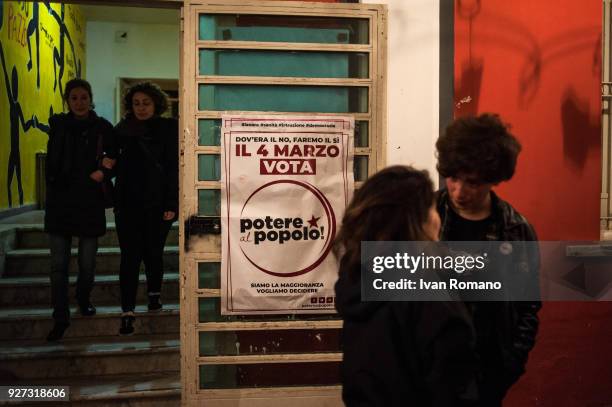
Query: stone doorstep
{"x": 40, "y": 226}
{"x": 35, "y": 323}
{"x": 36, "y": 290}
{"x": 103, "y": 311}
{"x": 106, "y": 389}
{"x": 102, "y": 251}
{"x": 21, "y": 262}
{"x": 101, "y": 356}
{"x": 88, "y": 347}
{"x": 33, "y": 236}
{"x": 43, "y": 281}
{"x": 106, "y": 291}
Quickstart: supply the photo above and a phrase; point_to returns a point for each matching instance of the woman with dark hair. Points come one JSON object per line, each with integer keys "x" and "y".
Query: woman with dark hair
{"x": 399, "y": 353}
{"x": 75, "y": 198}
{"x": 146, "y": 194}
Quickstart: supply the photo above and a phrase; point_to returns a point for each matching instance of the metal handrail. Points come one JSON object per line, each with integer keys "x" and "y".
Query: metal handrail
{"x": 606, "y": 122}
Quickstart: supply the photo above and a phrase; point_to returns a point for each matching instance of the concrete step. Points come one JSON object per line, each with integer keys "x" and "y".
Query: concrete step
{"x": 36, "y": 290}
{"x": 35, "y": 323}
{"x": 30, "y": 262}
{"x": 91, "y": 356}
{"x": 142, "y": 390}
{"x": 34, "y": 237}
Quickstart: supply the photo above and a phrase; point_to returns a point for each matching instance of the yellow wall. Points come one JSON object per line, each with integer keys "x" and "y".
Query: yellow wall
{"x": 18, "y": 27}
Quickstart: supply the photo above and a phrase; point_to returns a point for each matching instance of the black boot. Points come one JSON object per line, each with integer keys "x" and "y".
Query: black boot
{"x": 127, "y": 324}
{"x": 87, "y": 309}
{"x": 155, "y": 303}
{"x": 57, "y": 332}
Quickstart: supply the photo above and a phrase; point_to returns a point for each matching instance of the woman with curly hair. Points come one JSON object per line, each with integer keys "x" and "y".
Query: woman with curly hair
{"x": 399, "y": 353}
{"x": 146, "y": 194}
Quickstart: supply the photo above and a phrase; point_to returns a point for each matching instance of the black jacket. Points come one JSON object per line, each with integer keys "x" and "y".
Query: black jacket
{"x": 147, "y": 165}
{"x": 515, "y": 324}
{"x": 404, "y": 353}
{"x": 75, "y": 202}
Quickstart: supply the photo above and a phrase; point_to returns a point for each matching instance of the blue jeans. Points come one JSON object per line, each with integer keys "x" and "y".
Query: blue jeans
{"x": 60, "y": 261}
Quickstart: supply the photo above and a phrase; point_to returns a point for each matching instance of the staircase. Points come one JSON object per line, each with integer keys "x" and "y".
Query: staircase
{"x": 101, "y": 368}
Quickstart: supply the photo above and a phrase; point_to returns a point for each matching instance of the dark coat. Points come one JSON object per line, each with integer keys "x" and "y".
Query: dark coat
{"x": 515, "y": 324}
{"x": 147, "y": 165}
{"x": 74, "y": 201}
{"x": 417, "y": 354}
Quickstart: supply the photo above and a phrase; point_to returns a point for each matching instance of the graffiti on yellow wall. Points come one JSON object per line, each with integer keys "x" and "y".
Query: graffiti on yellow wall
{"x": 42, "y": 46}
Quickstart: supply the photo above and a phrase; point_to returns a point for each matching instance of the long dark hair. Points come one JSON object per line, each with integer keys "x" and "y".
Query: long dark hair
{"x": 392, "y": 205}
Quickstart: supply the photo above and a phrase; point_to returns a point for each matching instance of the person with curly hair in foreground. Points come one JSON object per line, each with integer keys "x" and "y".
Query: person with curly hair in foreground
{"x": 146, "y": 194}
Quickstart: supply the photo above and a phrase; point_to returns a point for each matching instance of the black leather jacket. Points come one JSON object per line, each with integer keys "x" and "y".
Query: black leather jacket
{"x": 517, "y": 325}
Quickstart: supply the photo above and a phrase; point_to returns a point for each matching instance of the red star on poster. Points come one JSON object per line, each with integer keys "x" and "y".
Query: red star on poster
{"x": 313, "y": 222}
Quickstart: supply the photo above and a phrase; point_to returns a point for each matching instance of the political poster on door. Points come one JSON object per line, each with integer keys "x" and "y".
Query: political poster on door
{"x": 285, "y": 183}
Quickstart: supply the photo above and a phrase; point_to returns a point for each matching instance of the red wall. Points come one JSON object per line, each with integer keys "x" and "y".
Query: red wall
{"x": 537, "y": 64}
